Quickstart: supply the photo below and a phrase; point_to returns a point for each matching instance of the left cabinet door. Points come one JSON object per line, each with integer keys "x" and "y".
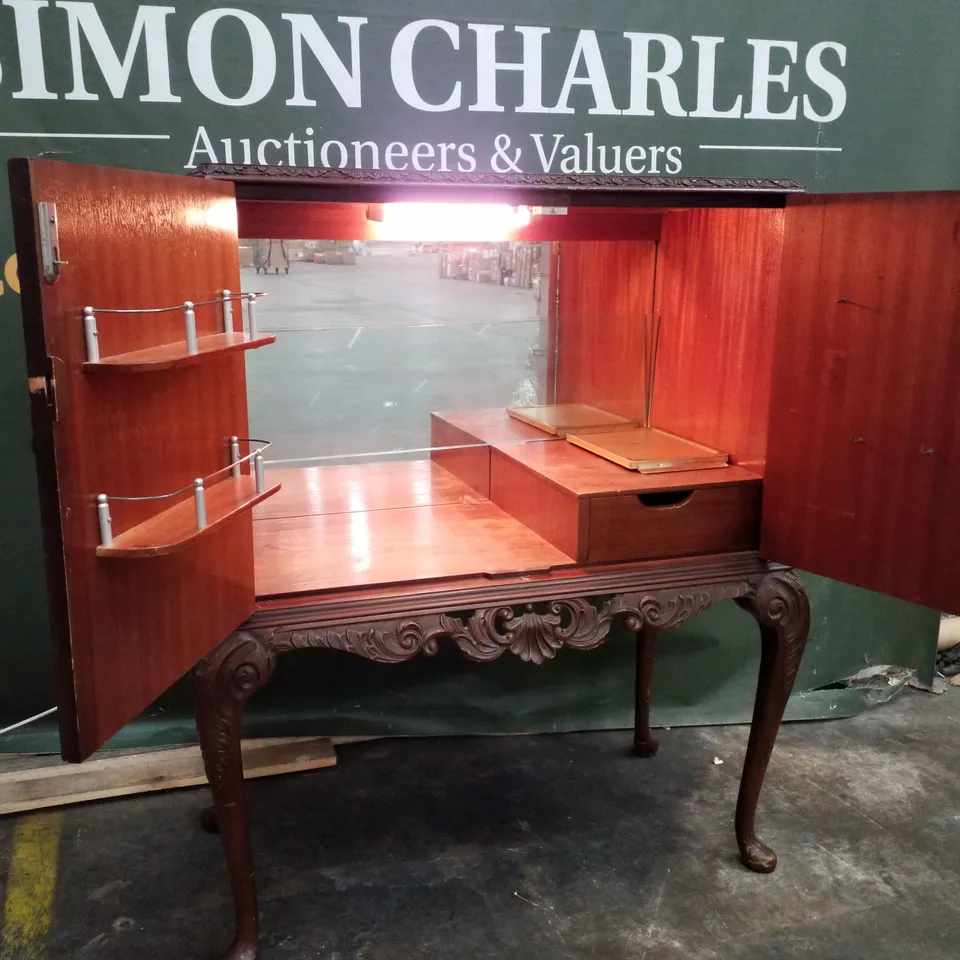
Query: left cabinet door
{"x": 125, "y": 628}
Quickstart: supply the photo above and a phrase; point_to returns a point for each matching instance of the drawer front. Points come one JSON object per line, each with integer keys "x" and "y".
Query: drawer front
{"x": 679, "y": 523}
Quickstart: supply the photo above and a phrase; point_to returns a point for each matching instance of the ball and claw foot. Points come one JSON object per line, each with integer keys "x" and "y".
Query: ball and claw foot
{"x": 646, "y": 747}
{"x": 755, "y": 855}
{"x": 208, "y": 820}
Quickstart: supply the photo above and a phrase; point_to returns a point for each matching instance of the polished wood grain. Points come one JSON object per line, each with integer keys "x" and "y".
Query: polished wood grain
{"x": 316, "y": 220}
{"x": 556, "y": 514}
{"x": 605, "y": 290}
{"x": 389, "y": 600}
{"x": 335, "y": 551}
{"x": 169, "y": 355}
{"x": 175, "y": 528}
{"x": 125, "y": 631}
{"x": 863, "y": 468}
{"x": 585, "y": 475}
{"x": 718, "y": 278}
{"x": 351, "y": 488}
{"x": 460, "y": 453}
{"x": 649, "y": 450}
{"x": 494, "y": 425}
{"x": 458, "y": 437}
{"x": 708, "y": 520}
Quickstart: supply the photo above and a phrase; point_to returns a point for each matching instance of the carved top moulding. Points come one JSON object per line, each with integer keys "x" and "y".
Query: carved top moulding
{"x": 549, "y": 188}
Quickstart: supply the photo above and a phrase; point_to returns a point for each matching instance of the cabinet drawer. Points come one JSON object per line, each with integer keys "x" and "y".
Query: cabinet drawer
{"x": 674, "y": 523}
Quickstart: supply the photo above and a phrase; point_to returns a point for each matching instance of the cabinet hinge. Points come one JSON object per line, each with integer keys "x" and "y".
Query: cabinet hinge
{"x": 49, "y": 242}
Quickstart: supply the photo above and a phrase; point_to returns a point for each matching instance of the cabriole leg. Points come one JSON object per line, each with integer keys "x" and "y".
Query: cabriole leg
{"x": 645, "y": 744}
{"x": 226, "y": 679}
{"x": 781, "y": 608}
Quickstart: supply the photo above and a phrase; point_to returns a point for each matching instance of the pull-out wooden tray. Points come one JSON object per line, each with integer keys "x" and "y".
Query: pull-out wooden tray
{"x": 648, "y": 450}
{"x": 559, "y": 419}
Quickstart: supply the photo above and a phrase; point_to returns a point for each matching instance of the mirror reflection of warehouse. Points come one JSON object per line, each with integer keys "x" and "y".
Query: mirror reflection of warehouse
{"x": 510, "y": 264}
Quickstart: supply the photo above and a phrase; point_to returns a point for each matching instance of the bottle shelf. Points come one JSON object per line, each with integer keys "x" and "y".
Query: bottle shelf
{"x": 176, "y": 527}
{"x": 170, "y": 355}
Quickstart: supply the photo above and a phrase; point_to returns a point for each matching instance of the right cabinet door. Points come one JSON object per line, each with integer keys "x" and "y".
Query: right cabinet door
{"x": 863, "y": 466}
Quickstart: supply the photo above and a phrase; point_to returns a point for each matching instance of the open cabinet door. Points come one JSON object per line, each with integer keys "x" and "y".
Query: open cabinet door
{"x": 863, "y": 465}
{"x": 128, "y": 624}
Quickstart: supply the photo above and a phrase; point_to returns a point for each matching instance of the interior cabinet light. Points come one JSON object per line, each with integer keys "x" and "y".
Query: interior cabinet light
{"x": 446, "y": 221}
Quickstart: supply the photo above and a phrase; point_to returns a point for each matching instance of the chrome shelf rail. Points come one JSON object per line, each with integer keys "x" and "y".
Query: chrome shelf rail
{"x": 198, "y": 486}
{"x": 226, "y": 300}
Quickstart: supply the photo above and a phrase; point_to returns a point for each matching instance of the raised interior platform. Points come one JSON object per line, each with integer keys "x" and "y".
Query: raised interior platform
{"x": 496, "y": 498}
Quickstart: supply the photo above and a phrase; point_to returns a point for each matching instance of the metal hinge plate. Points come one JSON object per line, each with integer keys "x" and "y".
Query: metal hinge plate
{"x": 49, "y": 242}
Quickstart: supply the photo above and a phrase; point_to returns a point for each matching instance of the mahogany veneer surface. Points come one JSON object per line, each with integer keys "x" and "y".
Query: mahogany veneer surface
{"x": 718, "y": 282}
{"x": 584, "y": 474}
{"x": 306, "y": 554}
{"x": 605, "y": 290}
{"x": 176, "y": 527}
{"x": 459, "y": 439}
{"x": 863, "y": 470}
{"x": 168, "y": 355}
{"x": 124, "y": 631}
{"x": 492, "y": 426}
{"x": 556, "y": 490}
{"x": 554, "y": 513}
{"x": 706, "y": 520}
{"x": 349, "y": 488}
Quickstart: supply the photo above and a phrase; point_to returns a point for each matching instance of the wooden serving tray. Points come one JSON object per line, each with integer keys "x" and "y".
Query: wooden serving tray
{"x": 649, "y": 450}
{"x": 559, "y": 419}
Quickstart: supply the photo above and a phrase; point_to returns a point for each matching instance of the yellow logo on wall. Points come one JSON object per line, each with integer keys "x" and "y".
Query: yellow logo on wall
{"x": 10, "y": 275}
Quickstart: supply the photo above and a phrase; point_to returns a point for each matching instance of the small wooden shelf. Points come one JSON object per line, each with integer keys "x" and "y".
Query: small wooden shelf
{"x": 169, "y": 355}
{"x": 176, "y": 527}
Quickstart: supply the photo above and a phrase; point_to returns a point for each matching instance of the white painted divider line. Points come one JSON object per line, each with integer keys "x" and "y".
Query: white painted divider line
{"x": 734, "y": 146}
{"x": 87, "y": 136}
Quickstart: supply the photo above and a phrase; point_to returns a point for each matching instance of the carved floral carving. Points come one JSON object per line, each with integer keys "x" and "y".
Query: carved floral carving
{"x": 534, "y": 635}
{"x": 535, "y": 632}
{"x": 384, "y": 642}
{"x": 667, "y": 608}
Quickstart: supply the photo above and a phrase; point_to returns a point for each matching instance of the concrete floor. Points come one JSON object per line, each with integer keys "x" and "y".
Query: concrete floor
{"x": 547, "y": 848}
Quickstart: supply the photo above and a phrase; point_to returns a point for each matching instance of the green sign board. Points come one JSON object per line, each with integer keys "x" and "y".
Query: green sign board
{"x": 842, "y": 95}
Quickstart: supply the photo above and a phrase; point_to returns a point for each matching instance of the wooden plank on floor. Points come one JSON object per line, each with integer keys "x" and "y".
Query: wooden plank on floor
{"x": 59, "y": 784}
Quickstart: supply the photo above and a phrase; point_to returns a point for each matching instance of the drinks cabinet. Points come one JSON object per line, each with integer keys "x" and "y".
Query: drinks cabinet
{"x": 728, "y": 379}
